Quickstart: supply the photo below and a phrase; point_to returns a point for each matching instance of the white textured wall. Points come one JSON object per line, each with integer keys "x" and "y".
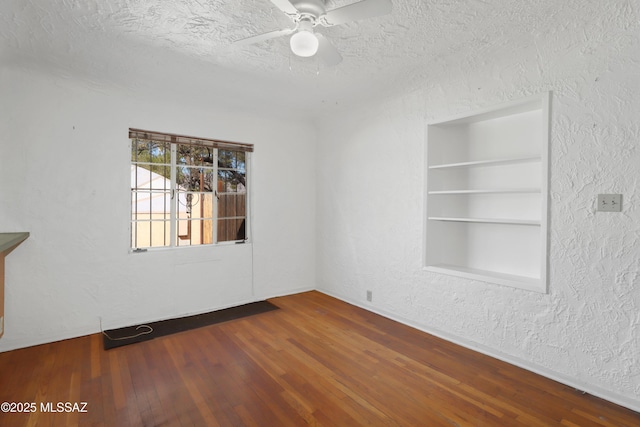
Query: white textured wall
{"x": 64, "y": 177}
{"x": 586, "y": 330}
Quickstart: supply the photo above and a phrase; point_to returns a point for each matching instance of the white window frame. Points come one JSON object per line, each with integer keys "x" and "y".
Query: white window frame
{"x": 173, "y": 212}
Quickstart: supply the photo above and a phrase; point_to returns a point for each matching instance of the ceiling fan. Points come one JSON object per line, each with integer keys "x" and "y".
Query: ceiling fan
{"x": 307, "y": 14}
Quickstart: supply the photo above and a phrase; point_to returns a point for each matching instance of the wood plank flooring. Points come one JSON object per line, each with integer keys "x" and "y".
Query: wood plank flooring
{"x": 317, "y": 361}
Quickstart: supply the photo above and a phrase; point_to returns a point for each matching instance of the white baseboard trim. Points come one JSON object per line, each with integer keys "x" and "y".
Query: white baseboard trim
{"x": 285, "y": 293}
{"x": 9, "y": 344}
{"x": 594, "y": 390}
{"x": 16, "y": 344}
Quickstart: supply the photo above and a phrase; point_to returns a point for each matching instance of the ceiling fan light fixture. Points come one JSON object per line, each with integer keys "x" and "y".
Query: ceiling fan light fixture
{"x": 307, "y": 14}
{"x": 304, "y": 43}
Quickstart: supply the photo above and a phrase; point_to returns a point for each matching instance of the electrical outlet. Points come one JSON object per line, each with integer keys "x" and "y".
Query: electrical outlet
{"x": 610, "y": 202}
{"x": 369, "y": 296}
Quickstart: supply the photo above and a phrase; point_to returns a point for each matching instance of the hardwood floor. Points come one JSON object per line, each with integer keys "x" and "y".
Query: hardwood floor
{"x": 317, "y": 361}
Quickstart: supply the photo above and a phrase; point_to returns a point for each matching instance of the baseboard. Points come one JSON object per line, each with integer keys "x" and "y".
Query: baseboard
{"x": 253, "y": 298}
{"x": 605, "y": 394}
{"x": 8, "y": 345}
{"x": 286, "y": 293}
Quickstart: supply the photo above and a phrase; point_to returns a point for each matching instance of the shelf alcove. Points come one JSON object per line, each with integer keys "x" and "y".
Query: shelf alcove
{"x": 487, "y": 192}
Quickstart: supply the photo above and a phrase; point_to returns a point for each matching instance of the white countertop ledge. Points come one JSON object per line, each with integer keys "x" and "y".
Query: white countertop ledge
{"x": 8, "y": 241}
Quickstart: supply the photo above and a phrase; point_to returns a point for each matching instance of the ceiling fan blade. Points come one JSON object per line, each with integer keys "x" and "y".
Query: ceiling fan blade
{"x": 285, "y": 6}
{"x": 266, "y": 36}
{"x": 327, "y": 52}
{"x": 356, "y": 11}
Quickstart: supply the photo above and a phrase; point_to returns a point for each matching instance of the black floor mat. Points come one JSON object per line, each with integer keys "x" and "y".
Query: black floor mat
{"x": 132, "y": 334}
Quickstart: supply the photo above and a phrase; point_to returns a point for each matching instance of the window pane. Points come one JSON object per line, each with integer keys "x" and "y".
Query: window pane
{"x": 156, "y": 177}
{"x": 195, "y": 204}
{"x": 231, "y": 171}
{"x": 232, "y": 160}
{"x": 194, "y": 155}
{"x": 194, "y": 179}
{"x": 232, "y": 205}
{"x": 185, "y": 177}
{"x": 205, "y": 205}
{"x": 231, "y": 229}
{"x": 226, "y": 159}
{"x": 195, "y": 185}
{"x": 163, "y": 180}
{"x": 195, "y": 232}
{"x": 232, "y": 197}
{"x": 155, "y": 205}
{"x": 150, "y": 196}
{"x": 225, "y": 181}
{"x": 195, "y": 214}
{"x": 184, "y": 230}
{"x": 230, "y": 181}
{"x": 145, "y": 234}
{"x": 144, "y": 151}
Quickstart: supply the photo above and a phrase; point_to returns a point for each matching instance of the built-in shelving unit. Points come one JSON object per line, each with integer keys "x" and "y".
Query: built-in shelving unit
{"x": 487, "y": 220}
{"x": 487, "y": 193}
{"x": 488, "y": 190}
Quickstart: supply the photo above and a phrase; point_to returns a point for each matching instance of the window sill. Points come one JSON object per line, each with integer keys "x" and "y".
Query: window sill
{"x": 194, "y": 247}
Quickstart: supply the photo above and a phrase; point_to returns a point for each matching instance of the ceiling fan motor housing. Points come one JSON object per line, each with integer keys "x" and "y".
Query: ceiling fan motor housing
{"x": 310, "y": 8}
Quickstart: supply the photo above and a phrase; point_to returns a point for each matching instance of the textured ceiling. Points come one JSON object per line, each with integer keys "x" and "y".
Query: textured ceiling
{"x": 187, "y": 46}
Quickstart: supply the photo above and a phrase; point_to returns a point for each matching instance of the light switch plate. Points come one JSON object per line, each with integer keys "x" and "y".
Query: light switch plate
{"x": 1, "y": 325}
{"x": 610, "y": 202}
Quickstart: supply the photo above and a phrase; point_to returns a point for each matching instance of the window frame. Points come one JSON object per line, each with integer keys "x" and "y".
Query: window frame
{"x": 170, "y": 213}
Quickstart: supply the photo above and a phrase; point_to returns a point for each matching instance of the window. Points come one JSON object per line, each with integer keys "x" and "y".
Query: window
{"x": 187, "y": 191}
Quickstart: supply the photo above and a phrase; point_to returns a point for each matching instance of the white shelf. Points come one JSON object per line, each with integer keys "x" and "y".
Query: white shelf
{"x": 491, "y": 162}
{"x": 523, "y": 282}
{"x": 486, "y": 178}
{"x": 489, "y": 191}
{"x": 486, "y": 220}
